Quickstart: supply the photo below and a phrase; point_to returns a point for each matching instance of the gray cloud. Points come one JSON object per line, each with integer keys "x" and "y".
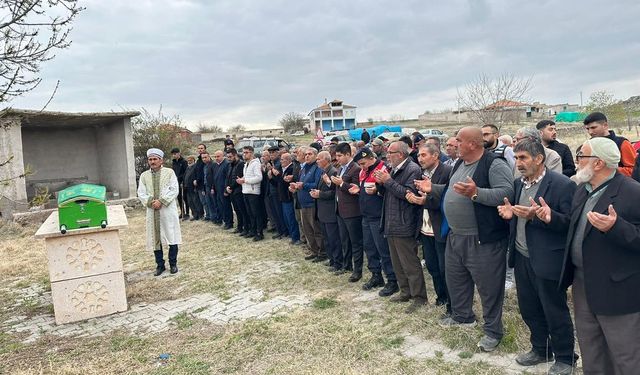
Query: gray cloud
{"x": 249, "y": 62}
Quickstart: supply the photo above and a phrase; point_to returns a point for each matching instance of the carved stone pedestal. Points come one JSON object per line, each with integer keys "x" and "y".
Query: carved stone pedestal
{"x": 85, "y": 268}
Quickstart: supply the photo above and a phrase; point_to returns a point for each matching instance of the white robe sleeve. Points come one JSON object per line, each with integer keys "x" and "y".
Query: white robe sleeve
{"x": 143, "y": 195}
{"x": 170, "y": 192}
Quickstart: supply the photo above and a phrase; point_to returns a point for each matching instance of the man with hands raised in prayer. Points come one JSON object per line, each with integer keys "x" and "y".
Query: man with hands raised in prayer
{"x": 602, "y": 260}
{"x": 535, "y": 253}
{"x": 476, "y": 244}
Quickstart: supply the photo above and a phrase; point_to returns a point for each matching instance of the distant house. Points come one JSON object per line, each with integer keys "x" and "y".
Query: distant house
{"x": 212, "y": 137}
{"x": 332, "y": 116}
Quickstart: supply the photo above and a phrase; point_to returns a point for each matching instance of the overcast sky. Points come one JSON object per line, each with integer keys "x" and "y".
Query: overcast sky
{"x": 249, "y": 62}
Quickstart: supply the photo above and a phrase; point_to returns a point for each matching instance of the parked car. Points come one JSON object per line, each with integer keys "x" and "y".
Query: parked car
{"x": 341, "y": 138}
{"x": 391, "y": 136}
{"x": 262, "y": 143}
{"x": 298, "y": 133}
{"x": 408, "y": 131}
{"x": 434, "y": 133}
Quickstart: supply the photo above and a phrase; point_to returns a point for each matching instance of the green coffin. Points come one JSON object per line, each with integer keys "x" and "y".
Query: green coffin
{"x": 82, "y": 206}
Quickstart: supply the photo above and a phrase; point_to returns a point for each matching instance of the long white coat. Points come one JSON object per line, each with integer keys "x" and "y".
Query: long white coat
{"x": 170, "y": 233}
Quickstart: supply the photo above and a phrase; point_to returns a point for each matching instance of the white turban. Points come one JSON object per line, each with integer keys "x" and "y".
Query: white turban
{"x": 155, "y": 151}
{"x": 606, "y": 150}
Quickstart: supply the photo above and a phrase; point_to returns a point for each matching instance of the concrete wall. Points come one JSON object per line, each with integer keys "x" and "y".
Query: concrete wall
{"x": 11, "y": 146}
{"x": 60, "y": 154}
{"x": 114, "y": 147}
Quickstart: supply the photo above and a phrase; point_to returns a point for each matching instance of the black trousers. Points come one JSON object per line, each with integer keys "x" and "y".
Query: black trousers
{"x": 255, "y": 209}
{"x": 351, "y": 237}
{"x": 194, "y": 203}
{"x": 173, "y": 256}
{"x": 545, "y": 311}
{"x": 224, "y": 207}
{"x": 181, "y": 201}
{"x": 332, "y": 246}
{"x": 237, "y": 201}
{"x": 433, "y": 252}
{"x": 276, "y": 210}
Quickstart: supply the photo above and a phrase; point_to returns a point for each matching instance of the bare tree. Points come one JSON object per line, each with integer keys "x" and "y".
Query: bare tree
{"x": 292, "y": 121}
{"x": 236, "y": 129}
{"x": 395, "y": 117}
{"x": 494, "y": 100}
{"x": 615, "y": 110}
{"x": 30, "y": 32}
{"x": 155, "y": 130}
{"x": 208, "y": 128}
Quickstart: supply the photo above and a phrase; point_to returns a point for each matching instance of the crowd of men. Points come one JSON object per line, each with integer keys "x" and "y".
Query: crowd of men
{"x": 488, "y": 202}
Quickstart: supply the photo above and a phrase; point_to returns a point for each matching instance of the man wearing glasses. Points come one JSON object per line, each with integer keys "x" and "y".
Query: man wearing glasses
{"x": 602, "y": 260}
{"x": 490, "y": 135}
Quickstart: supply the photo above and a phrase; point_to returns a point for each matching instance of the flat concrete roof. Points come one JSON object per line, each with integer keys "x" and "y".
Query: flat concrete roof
{"x": 33, "y": 118}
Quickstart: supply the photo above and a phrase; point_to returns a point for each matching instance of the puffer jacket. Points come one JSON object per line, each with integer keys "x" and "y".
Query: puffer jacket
{"x": 401, "y": 218}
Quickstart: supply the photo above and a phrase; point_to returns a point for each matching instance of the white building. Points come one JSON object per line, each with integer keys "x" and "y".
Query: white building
{"x": 332, "y": 116}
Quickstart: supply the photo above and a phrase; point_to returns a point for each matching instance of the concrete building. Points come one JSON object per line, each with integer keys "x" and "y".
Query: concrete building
{"x": 332, "y": 116}
{"x": 62, "y": 149}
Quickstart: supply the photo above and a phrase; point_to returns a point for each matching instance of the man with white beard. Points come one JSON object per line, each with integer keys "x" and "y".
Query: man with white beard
{"x": 602, "y": 260}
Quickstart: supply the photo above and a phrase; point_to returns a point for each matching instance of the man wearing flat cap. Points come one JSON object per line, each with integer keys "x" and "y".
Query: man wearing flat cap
{"x": 377, "y": 146}
{"x": 158, "y": 190}
{"x": 602, "y": 260}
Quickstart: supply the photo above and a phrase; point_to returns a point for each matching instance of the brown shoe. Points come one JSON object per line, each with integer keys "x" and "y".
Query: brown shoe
{"x": 400, "y": 298}
{"x": 415, "y": 305}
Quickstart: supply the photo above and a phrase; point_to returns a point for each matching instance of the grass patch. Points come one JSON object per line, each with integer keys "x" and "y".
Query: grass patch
{"x": 393, "y": 342}
{"x": 325, "y": 303}
{"x": 183, "y": 320}
{"x": 465, "y": 355}
{"x": 8, "y": 343}
{"x": 133, "y": 343}
{"x": 183, "y": 364}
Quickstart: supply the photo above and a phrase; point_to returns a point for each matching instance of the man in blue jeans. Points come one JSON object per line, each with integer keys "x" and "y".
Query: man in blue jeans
{"x": 283, "y": 175}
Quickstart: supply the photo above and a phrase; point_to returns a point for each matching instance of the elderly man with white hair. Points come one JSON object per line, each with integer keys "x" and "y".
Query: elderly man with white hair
{"x": 158, "y": 191}
{"x": 602, "y": 260}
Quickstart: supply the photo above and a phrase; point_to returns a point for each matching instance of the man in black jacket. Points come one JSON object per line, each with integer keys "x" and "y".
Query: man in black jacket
{"x": 602, "y": 260}
{"x": 179, "y": 166}
{"x": 234, "y": 190}
{"x": 401, "y": 224}
{"x": 223, "y": 202}
{"x": 283, "y": 175}
{"x": 325, "y": 196}
{"x": 535, "y": 252}
{"x": 375, "y": 245}
{"x": 365, "y": 137}
{"x": 477, "y": 242}
{"x": 190, "y": 193}
{"x": 548, "y": 135}
{"x": 199, "y": 182}
{"x": 433, "y": 242}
